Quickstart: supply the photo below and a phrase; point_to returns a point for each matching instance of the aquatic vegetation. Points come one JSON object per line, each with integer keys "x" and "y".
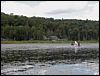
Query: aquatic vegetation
{"x": 49, "y": 54}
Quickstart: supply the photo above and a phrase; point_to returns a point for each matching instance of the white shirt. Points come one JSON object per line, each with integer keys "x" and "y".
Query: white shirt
{"x": 75, "y": 44}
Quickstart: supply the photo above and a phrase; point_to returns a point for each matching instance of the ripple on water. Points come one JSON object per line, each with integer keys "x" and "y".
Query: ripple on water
{"x": 57, "y": 69}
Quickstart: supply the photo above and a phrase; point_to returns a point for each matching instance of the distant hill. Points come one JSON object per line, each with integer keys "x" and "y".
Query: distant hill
{"x": 15, "y": 27}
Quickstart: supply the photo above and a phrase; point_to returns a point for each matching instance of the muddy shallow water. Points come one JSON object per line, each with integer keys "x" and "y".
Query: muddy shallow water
{"x": 43, "y": 46}
{"x": 31, "y": 68}
{"x": 49, "y": 59}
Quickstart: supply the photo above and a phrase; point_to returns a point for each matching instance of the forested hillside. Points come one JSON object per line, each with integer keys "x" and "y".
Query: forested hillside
{"x": 15, "y": 27}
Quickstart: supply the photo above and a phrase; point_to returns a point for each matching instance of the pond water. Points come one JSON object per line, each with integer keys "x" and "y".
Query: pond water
{"x": 49, "y": 59}
{"x": 44, "y": 46}
{"x": 83, "y": 68}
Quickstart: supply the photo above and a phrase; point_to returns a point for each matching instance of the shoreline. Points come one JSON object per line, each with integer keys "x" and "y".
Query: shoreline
{"x": 44, "y": 41}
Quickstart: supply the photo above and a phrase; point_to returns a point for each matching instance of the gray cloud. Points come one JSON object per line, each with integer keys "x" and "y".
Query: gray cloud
{"x": 60, "y": 11}
{"x": 92, "y": 2}
{"x": 69, "y": 11}
{"x": 3, "y": 1}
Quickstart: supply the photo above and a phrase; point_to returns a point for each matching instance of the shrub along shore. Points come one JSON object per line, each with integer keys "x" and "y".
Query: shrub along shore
{"x": 44, "y": 41}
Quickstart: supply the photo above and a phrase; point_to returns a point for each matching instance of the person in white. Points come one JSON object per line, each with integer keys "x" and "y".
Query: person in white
{"x": 76, "y": 46}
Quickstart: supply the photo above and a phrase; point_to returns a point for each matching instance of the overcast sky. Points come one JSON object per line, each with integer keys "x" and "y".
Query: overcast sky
{"x": 55, "y": 9}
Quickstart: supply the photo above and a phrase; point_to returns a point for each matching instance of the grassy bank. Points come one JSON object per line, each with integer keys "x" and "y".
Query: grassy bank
{"x": 44, "y": 41}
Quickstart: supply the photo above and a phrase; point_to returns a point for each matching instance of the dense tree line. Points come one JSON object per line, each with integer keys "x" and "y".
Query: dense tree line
{"x": 17, "y": 27}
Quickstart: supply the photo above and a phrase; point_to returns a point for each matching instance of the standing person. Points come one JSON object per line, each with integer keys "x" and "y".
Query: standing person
{"x": 76, "y": 46}
{"x": 78, "y": 43}
{"x": 72, "y": 43}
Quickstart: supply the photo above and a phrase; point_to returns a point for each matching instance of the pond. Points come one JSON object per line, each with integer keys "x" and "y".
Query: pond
{"x": 49, "y": 59}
